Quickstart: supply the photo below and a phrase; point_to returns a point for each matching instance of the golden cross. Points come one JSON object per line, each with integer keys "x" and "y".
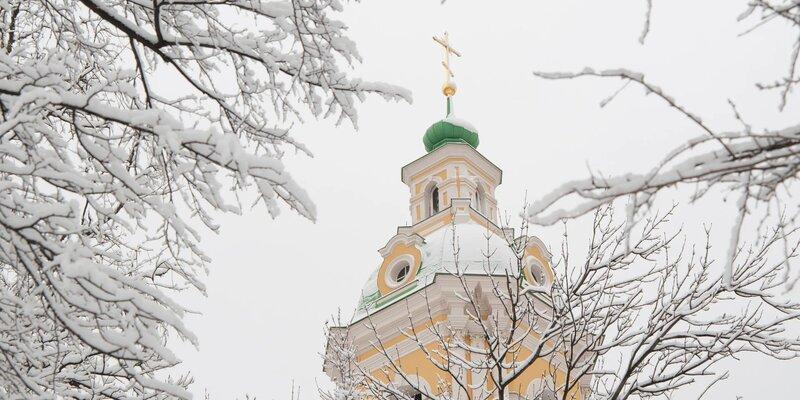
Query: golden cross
{"x": 445, "y": 43}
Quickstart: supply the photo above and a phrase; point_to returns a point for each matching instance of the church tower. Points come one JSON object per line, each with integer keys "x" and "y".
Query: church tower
{"x": 428, "y": 313}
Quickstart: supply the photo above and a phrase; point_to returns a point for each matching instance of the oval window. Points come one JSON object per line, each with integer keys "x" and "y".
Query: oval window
{"x": 402, "y": 273}
{"x": 536, "y": 271}
{"x": 399, "y": 272}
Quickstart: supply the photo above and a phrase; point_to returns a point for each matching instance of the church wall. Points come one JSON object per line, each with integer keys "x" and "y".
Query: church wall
{"x": 459, "y": 173}
{"x": 397, "y": 338}
{"x": 416, "y": 364}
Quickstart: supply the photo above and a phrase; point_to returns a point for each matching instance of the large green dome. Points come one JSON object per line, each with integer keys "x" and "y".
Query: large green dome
{"x": 450, "y": 130}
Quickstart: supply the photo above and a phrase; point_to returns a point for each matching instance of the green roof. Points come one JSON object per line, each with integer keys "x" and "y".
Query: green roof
{"x": 449, "y": 130}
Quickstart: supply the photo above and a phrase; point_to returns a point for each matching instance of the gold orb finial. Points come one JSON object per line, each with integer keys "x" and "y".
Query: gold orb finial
{"x": 449, "y": 88}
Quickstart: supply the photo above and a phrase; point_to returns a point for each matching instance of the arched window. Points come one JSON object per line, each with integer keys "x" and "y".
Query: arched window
{"x": 411, "y": 393}
{"x": 542, "y": 389}
{"x": 479, "y": 200}
{"x": 434, "y": 200}
{"x": 546, "y": 394}
{"x": 414, "y": 387}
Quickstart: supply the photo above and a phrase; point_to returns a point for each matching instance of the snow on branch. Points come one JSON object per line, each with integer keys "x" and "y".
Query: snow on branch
{"x": 757, "y": 167}
{"x": 125, "y": 126}
{"x": 622, "y": 321}
{"x": 638, "y": 78}
{"x": 646, "y": 27}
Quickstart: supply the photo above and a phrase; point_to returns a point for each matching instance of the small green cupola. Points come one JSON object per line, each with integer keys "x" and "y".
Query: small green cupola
{"x": 450, "y": 130}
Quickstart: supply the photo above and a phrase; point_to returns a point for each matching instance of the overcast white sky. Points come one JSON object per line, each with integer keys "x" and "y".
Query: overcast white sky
{"x": 273, "y": 283}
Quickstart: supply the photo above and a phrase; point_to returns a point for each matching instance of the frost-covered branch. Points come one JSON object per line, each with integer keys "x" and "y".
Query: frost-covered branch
{"x": 639, "y": 315}
{"x": 762, "y": 164}
{"x": 125, "y": 125}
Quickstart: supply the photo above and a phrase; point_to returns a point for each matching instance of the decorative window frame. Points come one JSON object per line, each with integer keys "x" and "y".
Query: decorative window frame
{"x": 529, "y": 262}
{"x": 480, "y": 198}
{"x": 394, "y": 268}
{"x": 433, "y": 182}
{"x": 403, "y": 246}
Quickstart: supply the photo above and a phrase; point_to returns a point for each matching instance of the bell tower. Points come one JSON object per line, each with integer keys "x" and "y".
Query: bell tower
{"x": 442, "y": 287}
{"x": 452, "y": 168}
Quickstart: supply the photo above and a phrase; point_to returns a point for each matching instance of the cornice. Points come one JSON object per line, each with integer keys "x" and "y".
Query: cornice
{"x": 451, "y": 150}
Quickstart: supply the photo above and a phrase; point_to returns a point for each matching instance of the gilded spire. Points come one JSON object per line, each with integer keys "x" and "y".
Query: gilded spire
{"x": 449, "y": 87}
{"x": 450, "y": 129}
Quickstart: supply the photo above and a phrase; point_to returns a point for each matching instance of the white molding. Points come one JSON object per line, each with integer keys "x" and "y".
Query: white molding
{"x": 403, "y": 236}
{"x": 391, "y": 271}
{"x": 528, "y": 263}
{"x": 535, "y": 241}
{"x": 452, "y": 150}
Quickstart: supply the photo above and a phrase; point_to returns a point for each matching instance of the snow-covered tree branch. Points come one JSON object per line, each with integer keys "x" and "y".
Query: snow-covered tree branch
{"x": 639, "y": 315}
{"x": 756, "y": 166}
{"x": 124, "y": 124}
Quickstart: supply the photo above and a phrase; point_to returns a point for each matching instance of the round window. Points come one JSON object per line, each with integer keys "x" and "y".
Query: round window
{"x": 399, "y": 272}
{"x": 402, "y": 272}
{"x": 536, "y": 271}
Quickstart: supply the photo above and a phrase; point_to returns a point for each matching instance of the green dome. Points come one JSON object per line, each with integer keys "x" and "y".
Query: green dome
{"x": 449, "y": 130}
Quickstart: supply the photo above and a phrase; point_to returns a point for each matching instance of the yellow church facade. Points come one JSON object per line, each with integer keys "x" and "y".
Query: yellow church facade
{"x": 434, "y": 312}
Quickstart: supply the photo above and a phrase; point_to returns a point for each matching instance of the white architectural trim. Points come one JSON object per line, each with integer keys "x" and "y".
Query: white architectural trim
{"x": 403, "y": 260}
{"x": 452, "y": 150}
{"x": 402, "y": 237}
